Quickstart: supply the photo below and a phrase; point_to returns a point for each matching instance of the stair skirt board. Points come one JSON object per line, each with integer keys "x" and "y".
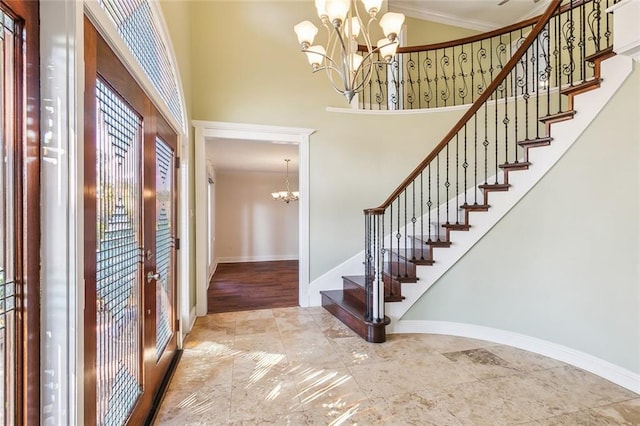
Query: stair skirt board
{"x": 614, "y": 71}
{"x": 597, "y": 366}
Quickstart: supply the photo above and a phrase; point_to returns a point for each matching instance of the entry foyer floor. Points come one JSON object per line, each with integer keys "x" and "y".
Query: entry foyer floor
{"x": 300, "y": 366}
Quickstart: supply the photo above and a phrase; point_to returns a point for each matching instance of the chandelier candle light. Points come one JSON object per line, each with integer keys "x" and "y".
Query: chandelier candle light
{"x": 347, "y": 68}
{"x": 286, "y": 196}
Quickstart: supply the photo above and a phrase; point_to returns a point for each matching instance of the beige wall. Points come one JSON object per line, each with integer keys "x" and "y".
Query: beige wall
{"x": 355, "y": 160}
{"x": 178, "y": 17}
{"x": 250, "y": 225}
{"x": 568, "y": 253}
{"x": 421, "y": 32}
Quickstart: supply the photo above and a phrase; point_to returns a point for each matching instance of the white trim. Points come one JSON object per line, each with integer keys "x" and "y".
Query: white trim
{"x": 417, "y": 12}
{"x": 256, "y": 132}
{"x": 266, "y": 258}
{"x": 442, "y": 18}
{"x": 625, "y": 20}
{"x": 399, "y": 111}
{"x": 618, "y": 375}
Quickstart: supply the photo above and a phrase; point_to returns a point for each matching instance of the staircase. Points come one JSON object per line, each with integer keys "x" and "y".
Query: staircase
{"x": 560, "y": 58}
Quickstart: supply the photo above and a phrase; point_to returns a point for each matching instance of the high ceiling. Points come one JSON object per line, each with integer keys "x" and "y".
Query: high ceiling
{"x": 481, "y": 15}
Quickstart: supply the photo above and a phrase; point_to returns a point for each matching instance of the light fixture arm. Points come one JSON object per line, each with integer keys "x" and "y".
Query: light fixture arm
{"x": 349, "y": 74}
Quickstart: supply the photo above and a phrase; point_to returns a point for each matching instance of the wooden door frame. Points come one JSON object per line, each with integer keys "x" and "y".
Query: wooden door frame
{"x": 98, "y": 53}
{"x": 27, "y": 179}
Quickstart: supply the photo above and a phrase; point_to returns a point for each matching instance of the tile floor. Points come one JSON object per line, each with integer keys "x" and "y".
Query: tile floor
{"x": 295, "y": 366}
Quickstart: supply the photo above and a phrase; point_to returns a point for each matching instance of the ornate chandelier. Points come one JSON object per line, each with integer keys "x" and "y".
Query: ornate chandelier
{"x": 286, "y": 196}
{"x": 348, "y": 64}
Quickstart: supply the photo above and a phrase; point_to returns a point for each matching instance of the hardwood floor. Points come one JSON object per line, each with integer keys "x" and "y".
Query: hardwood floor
{"x": 253, "y": 285}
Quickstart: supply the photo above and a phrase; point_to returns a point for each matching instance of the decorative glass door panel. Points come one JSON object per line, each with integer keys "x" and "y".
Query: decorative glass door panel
{"x": 165, "y": 245}
{"x": 130, "y": 329}
{"x": 118, "y": 256}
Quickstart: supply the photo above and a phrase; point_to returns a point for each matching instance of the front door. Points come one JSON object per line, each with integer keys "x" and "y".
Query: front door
{"x": 130, "y": 322}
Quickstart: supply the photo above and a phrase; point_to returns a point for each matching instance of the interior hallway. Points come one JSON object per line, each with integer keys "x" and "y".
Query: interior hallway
{"x": 303, "y": 367}
{"x": 253, "y": 285}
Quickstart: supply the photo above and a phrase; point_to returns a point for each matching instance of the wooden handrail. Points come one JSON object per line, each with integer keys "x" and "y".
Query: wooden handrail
{"x": 475, "y": 107}
{"x": 479, "y": 37}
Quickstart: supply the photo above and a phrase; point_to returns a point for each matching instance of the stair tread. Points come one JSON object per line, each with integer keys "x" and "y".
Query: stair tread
{"x": 419, "y": 256}
{"x": 480, "y": 207}
{"x": 581, "y": 87}
{"x": 495, "y": 186}
{"x": 561, "y": 116}
{"x": 515, "y": 166}
{"x": 604, "y": 53}
{"x": 536, "y": 141}
{"x": 457, "y": 226}
{"x": 434, "y": 243}
{"x": 359, "y": 280}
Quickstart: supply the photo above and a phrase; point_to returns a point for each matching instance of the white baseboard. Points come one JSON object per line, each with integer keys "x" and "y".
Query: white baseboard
{"x": 267, "y": 258}
{"x": 598, "y": 366}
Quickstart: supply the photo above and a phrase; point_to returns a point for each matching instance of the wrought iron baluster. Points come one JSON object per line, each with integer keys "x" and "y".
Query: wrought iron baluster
{"x": 446, "y": 186}
{"x": 465, "y": 165}
{"x": 428, "y": 94}
{"x": 438, "y": 203}
{"x": 411, "y": 66}
{"x": 421, "y": 214}
{"x": 429, "y": 203}
{"x": 457, "y": 171}
{"x": 475, "y": 158}
{"x": 485, "y": 143}
{"x": 419, "y": 82}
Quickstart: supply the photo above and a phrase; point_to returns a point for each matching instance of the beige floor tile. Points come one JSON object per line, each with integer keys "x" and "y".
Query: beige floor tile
{"x": 623, "y": 413}
{"x": 328, "y": 388}
{"x": 268, "y": 397}
{"x": 266, "y": 342}
{"x": 473, "y": 403}
{"x": 482, "y": 363}
{"x": 196, "y": 406}
{"x": 357, "y": 351}
{"x": 254, "y": 366}
{"x": 581, "y": 387}
{"x": 420, "y": 408}
{"x": 297, "y": 366}
{"x": 256, "y": 326}
{"x": 291, "y": 323}
{"x": 408, "y": 375}
{"x": 195, "y": 370}
{"x": 582, "y": 418}
{"x": 535, "y": 398}
{"x": 523, "y": 360}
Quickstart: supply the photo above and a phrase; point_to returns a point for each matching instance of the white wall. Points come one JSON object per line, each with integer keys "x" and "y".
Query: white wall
{"x": 250, "y": 225}
{"x": 563, "y": 265}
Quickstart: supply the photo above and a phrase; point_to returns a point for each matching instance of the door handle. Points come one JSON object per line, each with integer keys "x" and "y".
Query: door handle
{"x": 151, "y": 276}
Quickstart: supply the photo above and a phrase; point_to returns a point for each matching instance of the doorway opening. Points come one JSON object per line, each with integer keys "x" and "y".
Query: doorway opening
{"x": 261, "y": 137}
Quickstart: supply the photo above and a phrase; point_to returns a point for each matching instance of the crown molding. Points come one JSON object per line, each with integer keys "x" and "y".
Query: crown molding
{"x": 413, "y": 11}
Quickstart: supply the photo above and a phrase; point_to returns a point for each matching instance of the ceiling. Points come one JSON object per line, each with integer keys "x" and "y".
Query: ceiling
{"x": 256, "y": 156}
{"x": 481, "y": 15}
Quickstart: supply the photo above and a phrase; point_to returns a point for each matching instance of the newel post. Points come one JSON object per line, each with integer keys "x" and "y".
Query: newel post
{"x": 374, "y": 252}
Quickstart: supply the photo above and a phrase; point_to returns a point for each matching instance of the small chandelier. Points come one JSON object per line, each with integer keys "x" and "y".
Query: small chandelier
{"x": 287, "y": 195}
{"x": 349, "y": 66}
